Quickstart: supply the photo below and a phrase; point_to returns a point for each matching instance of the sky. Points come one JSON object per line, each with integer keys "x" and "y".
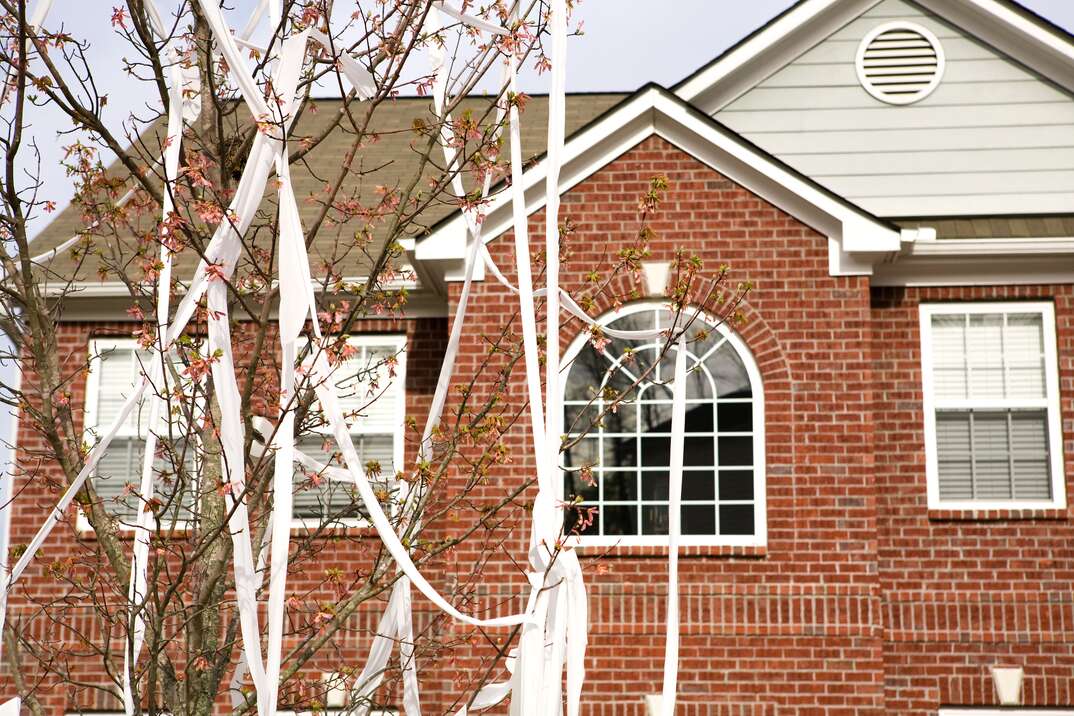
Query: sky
{"x": 625, "y": 43}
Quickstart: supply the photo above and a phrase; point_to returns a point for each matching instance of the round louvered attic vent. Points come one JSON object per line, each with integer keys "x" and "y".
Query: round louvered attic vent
{"x": 900, "y": 63}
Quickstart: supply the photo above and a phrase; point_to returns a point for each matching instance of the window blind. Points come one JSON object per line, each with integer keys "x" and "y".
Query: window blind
{"x": 989, "y": 398}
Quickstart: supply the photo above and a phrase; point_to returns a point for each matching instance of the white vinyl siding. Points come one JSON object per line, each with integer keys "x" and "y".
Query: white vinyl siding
{"x": 115, "y": 367}
{"x": 370, "y": 385}
{"x": 991, "y": 406}
{"x": 993, "y": 138}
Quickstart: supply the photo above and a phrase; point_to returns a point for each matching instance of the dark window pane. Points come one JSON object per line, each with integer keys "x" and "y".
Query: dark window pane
{"x": 654, "y": 520}
{"x": 698, "y": 417}
{"x": 736, "y": 519}
{"x": 620, "y": 451}
{"x": 698, "y": 383}
{"x": 575, "y": 486}
{"x": 620, "y": 486}
{"x": 580, "y": 418}
{"x": 735, "y": 417}
{"x": 654, "y": 486}
{"x": 655, "y": 452}
{"x": 698, "y": 520}
{"x": 581, "y": 521}
{"x": 699, "y": 485}
{"x": 736, "y": 485}
{"x": 620, "y": 519}
{"x": 732, "y": 380}
{"x": 623, "y": 420}
{"x": 583, "y": 452}
{"x": 655, "y": 417}
{"x": 736, "y": 451}
{"x": 587, "y": 371}
{"x": 698, "y": 451}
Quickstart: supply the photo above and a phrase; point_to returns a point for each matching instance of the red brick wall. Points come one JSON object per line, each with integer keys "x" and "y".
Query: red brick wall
{"x": 72, "y": 623}
{"x": 861, "y": 602}
{"x": 962, "y": 595}
{"x": 790, "y": 628}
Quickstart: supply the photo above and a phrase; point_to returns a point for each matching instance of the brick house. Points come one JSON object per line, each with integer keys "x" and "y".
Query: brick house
{"x": 875, "y": 505}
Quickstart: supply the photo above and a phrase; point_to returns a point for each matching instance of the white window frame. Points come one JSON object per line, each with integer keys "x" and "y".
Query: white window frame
{"x": 1050, "y": 402}
{"x": 398, "y": 342}
{"x": 759, "y": 538}
{"x": 90, "y": 423}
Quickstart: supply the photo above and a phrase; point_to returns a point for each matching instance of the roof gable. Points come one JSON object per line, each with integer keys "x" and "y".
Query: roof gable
{"x": 1007, "y": 26}
{"x": 993, "y": 137}
{"x": 854, "y": 235}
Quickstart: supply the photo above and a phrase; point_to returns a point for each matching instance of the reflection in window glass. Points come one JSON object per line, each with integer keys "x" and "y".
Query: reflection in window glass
{"x": 617, "y": 416}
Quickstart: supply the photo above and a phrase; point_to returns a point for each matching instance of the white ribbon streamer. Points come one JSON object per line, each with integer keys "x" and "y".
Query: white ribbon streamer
{"x": 678, "y": 428}
{"x": 136, "y": 590}
{"x": 470, "y": 19}
{"x": 554, "y": 623}
{"x": 320, "y": 372}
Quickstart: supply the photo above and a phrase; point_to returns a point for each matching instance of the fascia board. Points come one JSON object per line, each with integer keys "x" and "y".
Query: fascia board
{"x": 1012, "y": 33}
{"x": 767, "y": 51}
{"x": 979, "y": 262}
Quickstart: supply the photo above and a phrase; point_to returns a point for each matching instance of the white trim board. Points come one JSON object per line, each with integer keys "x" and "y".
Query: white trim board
{"x": 1047, "y": 51}
{"x": 978, "y": 262}
{"x": 856, "y": 239}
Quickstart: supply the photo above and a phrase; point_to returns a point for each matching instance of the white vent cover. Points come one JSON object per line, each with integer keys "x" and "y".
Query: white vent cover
{"x": 900, "y": 63}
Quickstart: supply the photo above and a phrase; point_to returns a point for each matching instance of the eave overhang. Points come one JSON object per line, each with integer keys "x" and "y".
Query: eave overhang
{"x": 927, "y": 261}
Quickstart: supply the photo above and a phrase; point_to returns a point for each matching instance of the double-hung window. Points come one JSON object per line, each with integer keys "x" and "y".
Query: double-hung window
{"x": 370, "y": 385}
{"x": 991, "y": 397}
{"x": 114, "y": 369}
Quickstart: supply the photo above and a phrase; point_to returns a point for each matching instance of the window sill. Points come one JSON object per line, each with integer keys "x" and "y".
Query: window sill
{"x": 633, "y": 551}
{"x": 1001, "y": 514}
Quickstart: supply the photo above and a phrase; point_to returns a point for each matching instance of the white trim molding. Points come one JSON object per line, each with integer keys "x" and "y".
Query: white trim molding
{"x": 1049, "y": 403}
{"x": 856, "y": 239}
{"x": 780, "y": 41}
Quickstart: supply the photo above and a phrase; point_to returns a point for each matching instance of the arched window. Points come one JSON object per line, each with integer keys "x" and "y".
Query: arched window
{"x": 616, "y": 465}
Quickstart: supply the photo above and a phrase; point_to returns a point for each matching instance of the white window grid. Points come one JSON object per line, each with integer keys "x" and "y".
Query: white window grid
{"x": 729, "y": 337}
{"x": 357, "y": 427}
{"x": 932, "y": 403}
